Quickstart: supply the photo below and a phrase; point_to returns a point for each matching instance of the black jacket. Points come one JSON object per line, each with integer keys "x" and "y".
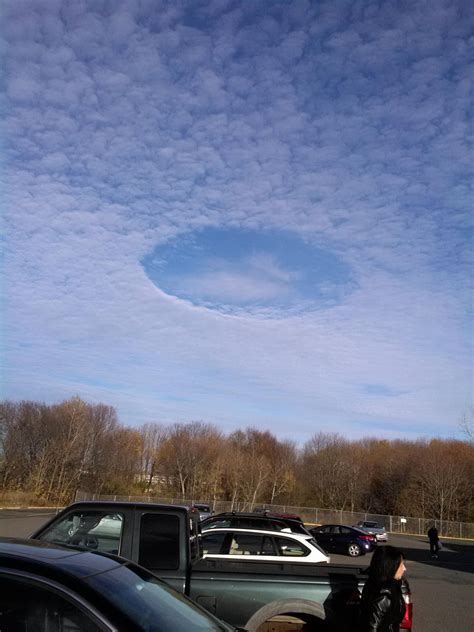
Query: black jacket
{"x": 433, "y": 534}
{"x": 382, "y": 607}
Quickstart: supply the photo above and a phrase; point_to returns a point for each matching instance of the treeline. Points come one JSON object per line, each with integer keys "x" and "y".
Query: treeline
{"x": 50, "y": 451}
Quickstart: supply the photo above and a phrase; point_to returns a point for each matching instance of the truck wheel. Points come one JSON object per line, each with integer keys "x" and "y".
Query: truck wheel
{"x": 308, "y": 611}
{"x": 354, "y": 550}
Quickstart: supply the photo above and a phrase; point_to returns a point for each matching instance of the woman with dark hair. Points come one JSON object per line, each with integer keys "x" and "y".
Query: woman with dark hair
{"x": 382, "y": 606}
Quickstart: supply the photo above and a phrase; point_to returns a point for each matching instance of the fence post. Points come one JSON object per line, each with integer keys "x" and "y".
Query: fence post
{"x": 390, "y": 524}
{"x": 419, "y": 526}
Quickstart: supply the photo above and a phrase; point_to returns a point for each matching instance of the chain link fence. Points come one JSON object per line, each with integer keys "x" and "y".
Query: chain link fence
{"x": 312, "y": 515}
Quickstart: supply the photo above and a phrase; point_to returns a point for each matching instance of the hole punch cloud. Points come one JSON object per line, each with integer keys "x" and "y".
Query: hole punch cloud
{"x": 234, "y": 268}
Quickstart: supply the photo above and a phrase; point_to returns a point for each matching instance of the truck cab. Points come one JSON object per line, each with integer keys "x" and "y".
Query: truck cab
{"x": 163, "y": 538}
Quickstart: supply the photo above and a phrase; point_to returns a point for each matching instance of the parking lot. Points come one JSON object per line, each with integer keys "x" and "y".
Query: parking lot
{"x": 442, "y": 589}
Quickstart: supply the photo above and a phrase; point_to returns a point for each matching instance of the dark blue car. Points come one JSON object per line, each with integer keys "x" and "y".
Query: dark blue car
{"x": 340, "y": 538}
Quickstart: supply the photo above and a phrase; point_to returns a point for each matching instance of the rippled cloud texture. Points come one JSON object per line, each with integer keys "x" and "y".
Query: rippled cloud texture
{"x": 138, "y": 124}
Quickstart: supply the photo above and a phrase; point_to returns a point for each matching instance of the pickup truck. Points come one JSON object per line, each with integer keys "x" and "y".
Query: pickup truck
{"x": 166, "y": 539}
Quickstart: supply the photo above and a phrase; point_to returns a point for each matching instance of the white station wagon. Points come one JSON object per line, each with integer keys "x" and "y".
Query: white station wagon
{"x": 258, "y": 544}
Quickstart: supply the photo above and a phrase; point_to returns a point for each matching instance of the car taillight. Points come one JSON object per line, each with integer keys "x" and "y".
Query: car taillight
{"x": 370, "y": 538}
{"x": 407, "y": 621}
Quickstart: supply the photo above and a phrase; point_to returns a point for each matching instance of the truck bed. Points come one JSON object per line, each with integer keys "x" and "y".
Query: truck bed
{"x": 235, "y": 590}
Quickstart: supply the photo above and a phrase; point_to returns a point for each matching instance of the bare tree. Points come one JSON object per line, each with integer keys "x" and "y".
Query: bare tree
{"x": 251, "y": 444}
{"x": 467, "y": 424}
{"x": 187, "y": 457}
{"x": 153, "y": 437}
{"x": 52, "y": 450}
{"x": 328, "y": 467}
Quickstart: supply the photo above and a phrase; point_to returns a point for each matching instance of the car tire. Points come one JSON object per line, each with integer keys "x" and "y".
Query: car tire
{"x": 303, "y": 609}
{"x": 354, "y": 550}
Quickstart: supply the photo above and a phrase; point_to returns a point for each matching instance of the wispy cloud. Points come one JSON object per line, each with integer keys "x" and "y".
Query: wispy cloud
{"x": 251, "y": 281}
{"x": 131, "y": 126}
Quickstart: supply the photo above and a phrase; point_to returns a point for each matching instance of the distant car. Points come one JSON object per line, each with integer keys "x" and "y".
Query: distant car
{"x": 97, "y": 530}
{"x": 262, "y": 545}
{"x": 374, "y": 528}
{"x": 109, "y": 526}
{"x": 340, "y": 538}
{"x": 205, "y": 510}
{"x": 240, "y": 520}
{"x": 48, "y": 588}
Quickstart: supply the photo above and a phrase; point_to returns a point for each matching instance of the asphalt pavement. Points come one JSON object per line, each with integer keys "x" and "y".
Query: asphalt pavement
{"x": 442, "y": 589}
{"x": 19, "y": 523}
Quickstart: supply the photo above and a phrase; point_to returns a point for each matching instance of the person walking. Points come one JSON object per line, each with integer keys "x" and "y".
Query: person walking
{"x": 382, "y": 606}
{"x": 434, "y": 541}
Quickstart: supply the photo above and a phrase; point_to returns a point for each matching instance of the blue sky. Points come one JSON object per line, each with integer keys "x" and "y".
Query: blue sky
{"x": 246, "y": 213}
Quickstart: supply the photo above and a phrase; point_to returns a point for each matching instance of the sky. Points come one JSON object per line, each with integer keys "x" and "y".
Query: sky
{"x": 251, "y": 214}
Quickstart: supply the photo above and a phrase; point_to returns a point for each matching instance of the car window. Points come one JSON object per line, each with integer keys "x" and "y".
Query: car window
{"x": 94, "y": 529}
{"x": 268, "y": 546}
{"x": 195, "y": 542}
{"x": 345, "y": 530}
{"x": 313, "y": 542}
{"x": 217, "y": 523}
{"x": 335, "y": 529}
{"x": 239, "y": 522}
{"x": 246, "y": 544}
{"x": 159, "y": 541}
{"x": 25, "y": 606}
{"x": 150, "y": 603}
{"x": 212, "y": 542}
{"x": 277, "y": 525}
{"x": 291, "y": 547}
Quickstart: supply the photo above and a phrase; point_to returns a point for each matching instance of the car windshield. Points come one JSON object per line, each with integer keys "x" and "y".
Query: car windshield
{"x": 150, "y": 603}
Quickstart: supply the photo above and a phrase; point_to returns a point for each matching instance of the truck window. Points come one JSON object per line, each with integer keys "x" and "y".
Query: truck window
{"x": 97, "y": 530}
{"x": 159, "y": 541}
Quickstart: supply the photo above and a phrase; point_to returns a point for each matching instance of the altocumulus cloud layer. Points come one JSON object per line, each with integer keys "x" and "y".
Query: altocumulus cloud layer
{"x": 135, "y": 128}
